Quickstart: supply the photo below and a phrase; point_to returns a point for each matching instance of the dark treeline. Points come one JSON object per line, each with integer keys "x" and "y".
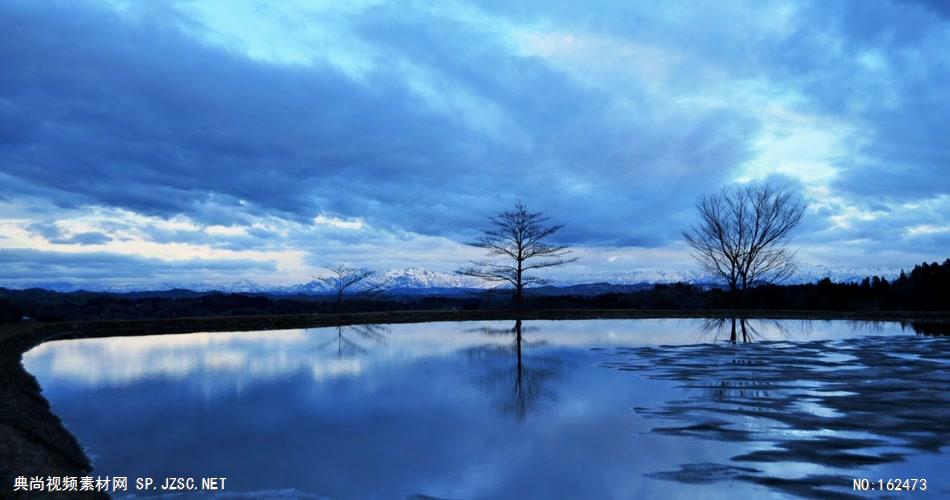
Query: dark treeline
{"x": 925, "y": 288}
{"x": 43, "y": 305}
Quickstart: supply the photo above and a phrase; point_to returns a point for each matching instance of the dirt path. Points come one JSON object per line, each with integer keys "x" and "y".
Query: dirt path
{"x": 33, "y": 440}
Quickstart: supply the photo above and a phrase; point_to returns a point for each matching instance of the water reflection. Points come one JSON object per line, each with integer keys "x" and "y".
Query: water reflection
{"x": 737, "y": 330}
{"x": 837, "y": 405}
{"x": 734, "y": 385}
{"x": 522, "y": 389}
{"x": 747, "y": 332}
{"x": 343, "y": 346}
{"x": 932, "y": 328}
{"x": 428, "y": 409}
{"x": 323, "y": 351}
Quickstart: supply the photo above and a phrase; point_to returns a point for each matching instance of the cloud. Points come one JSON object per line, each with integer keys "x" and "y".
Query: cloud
{"x": 303, "y": 133}
{"x": 877, "y": 67}
{"x": 27, "y": 265}
{"x": 937, "y": 7}
{"x": 160, "y": 121}
{"x": 47, "y": 229}
{"x": 89, "y": 238}
{"x": 50, "y": 231}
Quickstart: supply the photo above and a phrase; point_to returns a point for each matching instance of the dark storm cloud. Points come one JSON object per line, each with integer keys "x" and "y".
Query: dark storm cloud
{"x": 144, "y": 117}
{"x": 53, "y": 234}
{"x": 34, "y": 265}
{"x": 879, "y": 65}
{"x": 451, "y": 119}
{"x": 885, "y": 71}
{"x": 254, "y": 239}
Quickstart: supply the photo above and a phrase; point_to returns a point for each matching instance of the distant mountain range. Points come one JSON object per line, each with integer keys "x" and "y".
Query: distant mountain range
{"x": 418, "y": 281}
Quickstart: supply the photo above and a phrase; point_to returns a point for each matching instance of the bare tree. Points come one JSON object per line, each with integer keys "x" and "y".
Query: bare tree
{"x": 519, "y": 238}
{"x": 742, "y": 233}
{"x": 345, "y": 278}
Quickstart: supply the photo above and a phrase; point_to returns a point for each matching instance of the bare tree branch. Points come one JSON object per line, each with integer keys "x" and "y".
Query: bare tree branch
{"x": 742, "y": 232}
{"x": 519, "y": 239}
{"x": 345, "y": 278}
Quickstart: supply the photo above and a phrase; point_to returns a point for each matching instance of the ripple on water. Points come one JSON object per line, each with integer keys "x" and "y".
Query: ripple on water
{"x": 809, "y": 411}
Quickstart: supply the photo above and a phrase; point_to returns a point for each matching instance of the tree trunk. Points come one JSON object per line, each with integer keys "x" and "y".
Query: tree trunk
{"x": 519, "y": 288}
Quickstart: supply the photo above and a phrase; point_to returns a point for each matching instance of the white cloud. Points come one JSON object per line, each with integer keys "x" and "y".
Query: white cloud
{"x": 338, "y": 222}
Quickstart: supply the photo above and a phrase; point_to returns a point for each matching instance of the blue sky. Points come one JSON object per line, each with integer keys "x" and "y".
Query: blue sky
{"x": 221, "y": 140}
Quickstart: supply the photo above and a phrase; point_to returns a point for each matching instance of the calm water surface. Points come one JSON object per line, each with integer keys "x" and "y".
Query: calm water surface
{"x": 543, "y": 409}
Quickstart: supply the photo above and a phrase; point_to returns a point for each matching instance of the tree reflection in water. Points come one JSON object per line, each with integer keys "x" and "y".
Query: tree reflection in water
{"x": 747, "y": 330}
{"x": 930, "y": 328}
{"x": 837, "y": 404}
{"x": 521, "y": 390}
{"x": 343, "y": 345}
{"x": 925, "y": 327}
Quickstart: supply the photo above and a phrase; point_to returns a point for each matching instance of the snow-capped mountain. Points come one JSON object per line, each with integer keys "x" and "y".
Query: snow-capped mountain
{"x": 311, "y": 287}
{"x": 411, "y": 278}
{"x": 636, "y": 277}
{"x": 419, "y": 279}
{"x": 414, "y": 277}
{"x": 68, "y": 286}
{"x": 811, "y": 273}
{"x": 805, "y": 273}
{"x": 240, "y": 286}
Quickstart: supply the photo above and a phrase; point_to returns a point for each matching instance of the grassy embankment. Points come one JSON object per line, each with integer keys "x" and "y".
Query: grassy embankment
{"x": 34, "y": 442}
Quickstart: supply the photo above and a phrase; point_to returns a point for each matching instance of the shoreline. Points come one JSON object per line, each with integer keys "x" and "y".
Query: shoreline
{"x": 34, "y": 441}
{"x": 133, "y": 327}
